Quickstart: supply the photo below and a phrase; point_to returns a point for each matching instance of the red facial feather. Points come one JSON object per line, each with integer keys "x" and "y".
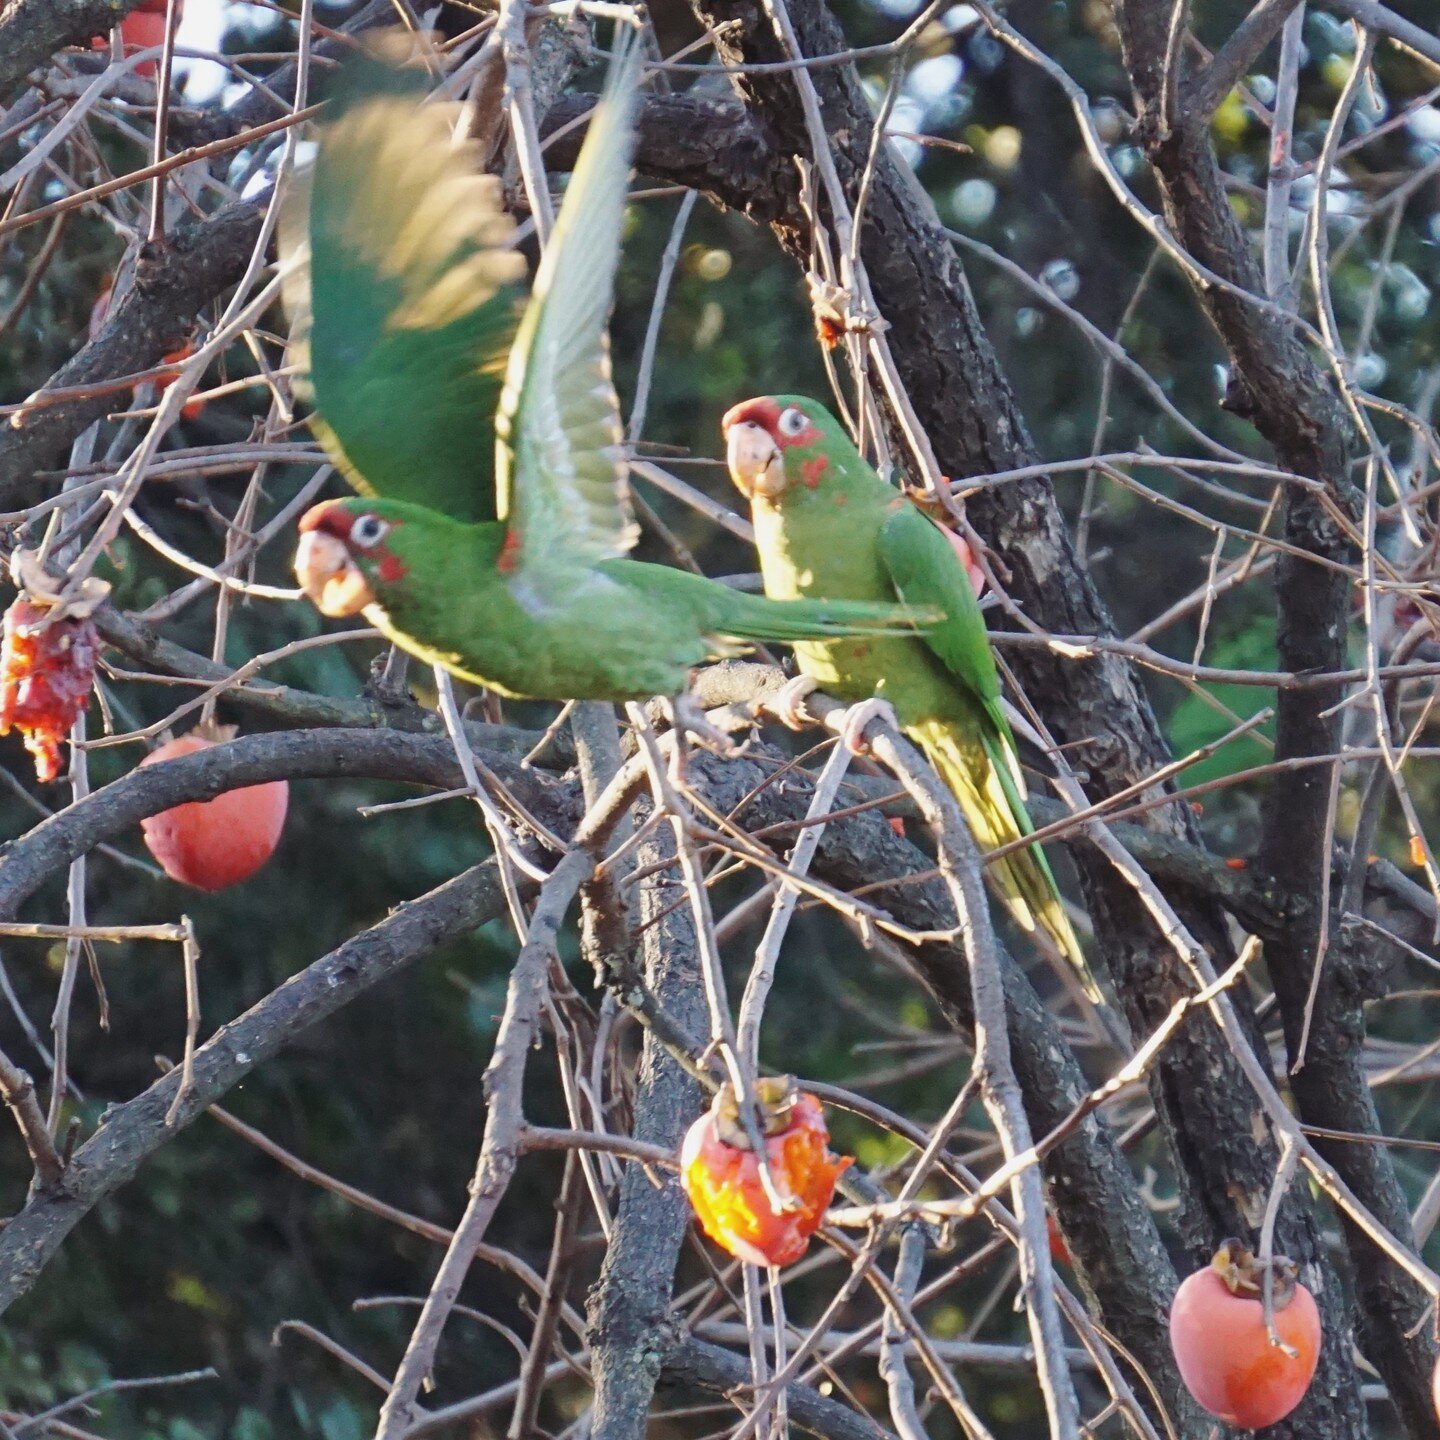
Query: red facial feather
{"x": 814, "y": 468}
{"x": 336, "y": 518}
{"x": 763, "y": 412}
{"x": 509, "y": 556}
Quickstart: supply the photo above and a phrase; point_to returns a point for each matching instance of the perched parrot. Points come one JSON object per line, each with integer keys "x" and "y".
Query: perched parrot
{"x": 430, "y": 401}
{"x": 828, "y": 526}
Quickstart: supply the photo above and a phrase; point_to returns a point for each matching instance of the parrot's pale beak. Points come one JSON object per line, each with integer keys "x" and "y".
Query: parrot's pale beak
{"x": 754, "y": 460}
{"x": 329, "y": 576}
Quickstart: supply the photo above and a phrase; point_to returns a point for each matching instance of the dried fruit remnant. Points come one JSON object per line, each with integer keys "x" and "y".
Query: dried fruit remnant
{"x": 47, "y": 670}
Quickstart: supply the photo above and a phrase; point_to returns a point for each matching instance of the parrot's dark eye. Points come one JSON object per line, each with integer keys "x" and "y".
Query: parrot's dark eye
{"x": 368, "y": 530}
{"x": 792, "y": 421}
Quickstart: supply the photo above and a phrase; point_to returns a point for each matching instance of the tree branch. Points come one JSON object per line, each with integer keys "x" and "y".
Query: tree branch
{"x": 1000, "y": 1090}
{"x": 1380, "y": 18}
{"x": 288, "y": 705}
{"x": 700, "y": 1365}
{"x": 1094, "y": 709}
{"x": 31, "y": 31}
{"x": 1211, "y": 85}
{"x": 133, "y": 1131}
{"x": 17, "y": 1090}
{"x": 630, "y": 1321}
{"x": 1119, "y": 1259}
{"x": 26, "y": 863}
{"x": 500, "y": 1146}
{"x": 173, "y": 284}
{"x": 1281, "y": 389}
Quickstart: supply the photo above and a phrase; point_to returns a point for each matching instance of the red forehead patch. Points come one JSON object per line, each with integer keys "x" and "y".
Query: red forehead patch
{"x": 330, "y": 516}
{"x": 761, "y": 411}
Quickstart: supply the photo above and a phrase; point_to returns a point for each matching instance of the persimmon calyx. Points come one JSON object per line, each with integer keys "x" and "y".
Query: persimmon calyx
{"x": 1244, "y": 1273}
{"x": 776, "y": 1097}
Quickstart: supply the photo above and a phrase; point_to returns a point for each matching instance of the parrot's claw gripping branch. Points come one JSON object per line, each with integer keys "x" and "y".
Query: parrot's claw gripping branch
{"x": 688, "y": 722}
{"x": 859, "y": 717}
{"x": 687, "y": 717}
{"x": 787, "y": 704}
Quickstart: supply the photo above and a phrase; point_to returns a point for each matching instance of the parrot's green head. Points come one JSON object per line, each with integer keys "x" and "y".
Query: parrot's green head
{"x": 783, "y": 443}
{"x": 354, "y": 553}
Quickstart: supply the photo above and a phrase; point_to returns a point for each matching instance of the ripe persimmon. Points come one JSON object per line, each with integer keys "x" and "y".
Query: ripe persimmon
{"x": 1225, "y": 1355}
{"x": 213, "y": 844}
{"x": 143, "y": 29}
{"x": 47, "y": 670}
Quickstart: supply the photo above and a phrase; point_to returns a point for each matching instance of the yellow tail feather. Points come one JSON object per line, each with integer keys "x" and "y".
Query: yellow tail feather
{"x": 1022, "y": 877}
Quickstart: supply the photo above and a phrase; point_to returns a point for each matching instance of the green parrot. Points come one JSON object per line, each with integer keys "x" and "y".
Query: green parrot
{"x": 827, "y": 525}
{"x": 410, "y": 292}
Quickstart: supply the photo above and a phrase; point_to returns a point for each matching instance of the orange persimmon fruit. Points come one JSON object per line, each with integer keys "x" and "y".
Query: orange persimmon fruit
{"x": 1226, "y": 1358}
{"x": 213, "y": 844}
{"x": 142, "y": 29}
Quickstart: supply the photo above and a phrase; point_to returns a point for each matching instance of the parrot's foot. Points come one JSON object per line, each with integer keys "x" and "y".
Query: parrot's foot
{"x": 859, "y": 717}
{"x": 687, "y": 717}
{"x": 787, "y": 704}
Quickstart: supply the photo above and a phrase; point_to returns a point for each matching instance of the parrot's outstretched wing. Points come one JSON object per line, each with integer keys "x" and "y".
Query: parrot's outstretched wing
{"x": 560, "y": 471}
{"x": 403, "y": 292}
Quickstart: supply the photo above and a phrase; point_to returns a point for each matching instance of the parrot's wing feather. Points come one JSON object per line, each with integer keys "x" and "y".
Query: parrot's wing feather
{"x": 927, "y": 573}
{"x": 561, "y": 475}
{"x": 403, "y": 295}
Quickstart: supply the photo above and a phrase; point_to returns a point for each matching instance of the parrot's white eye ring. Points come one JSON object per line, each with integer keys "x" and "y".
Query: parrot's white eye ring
{"x": 792, "y": 421}
{"x": 368, "y": 531}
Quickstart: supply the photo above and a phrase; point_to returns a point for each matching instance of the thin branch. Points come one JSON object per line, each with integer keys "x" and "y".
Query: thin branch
{"x": 499, "y": 1147}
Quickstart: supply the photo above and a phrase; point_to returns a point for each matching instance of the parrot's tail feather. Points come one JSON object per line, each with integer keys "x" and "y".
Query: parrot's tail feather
{"x": 980, "y": 776}
{"x": 754, "y": 617}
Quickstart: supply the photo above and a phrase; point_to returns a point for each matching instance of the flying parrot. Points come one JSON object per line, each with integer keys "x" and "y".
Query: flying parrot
{"x": 827, "y": 525}
{"x": 494, "y": 545}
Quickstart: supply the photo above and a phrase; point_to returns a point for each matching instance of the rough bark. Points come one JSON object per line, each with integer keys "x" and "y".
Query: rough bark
{"x": 31, "y": 31}
{"x": 1278, "y": 386}
{"x": 1224, "y": 1163}
{"x": 631, "y": 1327}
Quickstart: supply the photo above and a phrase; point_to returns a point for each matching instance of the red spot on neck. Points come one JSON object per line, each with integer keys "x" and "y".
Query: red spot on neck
{"x": 391, "y": 568}
{"x": 509, "y": 556}
{"x": 813, "y": 469}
